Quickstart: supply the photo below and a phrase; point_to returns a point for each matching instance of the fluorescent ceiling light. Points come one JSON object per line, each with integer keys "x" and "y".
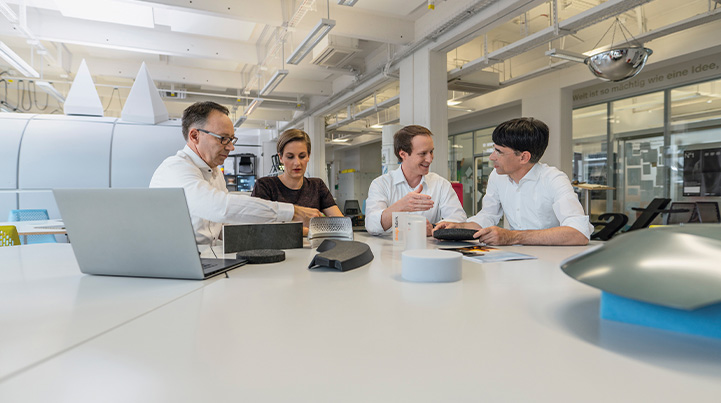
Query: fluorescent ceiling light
{"x": 349, "y": 3}
{"x": 339, "y": 140}
{"x": 118, "y": 12}
{"x": 48, "y": 87}
{"x": 452, "y": 102}
{"x": 254, "y": 104}
{"x": 17, "y": 62}
{"x": 8, "y": 12}
{"x": 377, "y": 126}
{"x": 240, "y": 121}
{"x": 310, "y": 41}
{"x": 273, "y": 82}
{"x": 567, "y": 55}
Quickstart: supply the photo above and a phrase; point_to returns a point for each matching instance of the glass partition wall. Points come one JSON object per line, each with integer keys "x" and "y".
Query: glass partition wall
{"x": 469, "y": 165}
{"x": 645, "y": 138}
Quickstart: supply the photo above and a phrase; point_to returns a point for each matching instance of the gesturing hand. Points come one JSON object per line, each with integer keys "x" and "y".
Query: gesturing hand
{"x": 414, "y": 201}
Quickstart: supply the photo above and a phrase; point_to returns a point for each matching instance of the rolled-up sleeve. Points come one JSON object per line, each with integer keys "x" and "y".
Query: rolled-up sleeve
{"x": 375, "y": 204}
{"x": 213, "y": 204}
{"x": 567, "y": 208}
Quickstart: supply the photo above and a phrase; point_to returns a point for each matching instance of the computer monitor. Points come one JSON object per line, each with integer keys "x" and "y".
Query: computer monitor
{"x": 246, "y": 183}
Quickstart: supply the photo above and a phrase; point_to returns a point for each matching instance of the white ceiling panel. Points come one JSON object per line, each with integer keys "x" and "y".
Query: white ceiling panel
{"x": 202, "y": 24}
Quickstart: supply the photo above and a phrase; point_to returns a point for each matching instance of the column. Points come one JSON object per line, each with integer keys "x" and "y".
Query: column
{"x": 424, "y": 92}
{"x": 553, "y": 105}
{"x": 315, "y": 127}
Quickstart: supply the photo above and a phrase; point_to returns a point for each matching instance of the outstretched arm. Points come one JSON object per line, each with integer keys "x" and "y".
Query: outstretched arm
{"x": 562, "y": 236}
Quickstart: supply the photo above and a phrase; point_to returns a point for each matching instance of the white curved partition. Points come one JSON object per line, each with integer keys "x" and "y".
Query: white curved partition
{"x": 138, "y": 149}
{"x": 62, "y": 152}
{"x": 11, "y": 132}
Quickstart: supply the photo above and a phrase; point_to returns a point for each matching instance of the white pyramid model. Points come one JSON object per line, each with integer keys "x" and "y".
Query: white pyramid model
{"x": 144, "y": 104}
{"x": 83, "y": 98}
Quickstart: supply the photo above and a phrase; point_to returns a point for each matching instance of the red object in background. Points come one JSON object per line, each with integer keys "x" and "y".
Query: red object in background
{"x": 458, "y": 187}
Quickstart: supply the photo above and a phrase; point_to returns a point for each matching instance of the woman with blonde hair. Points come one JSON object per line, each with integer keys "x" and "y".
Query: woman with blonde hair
{"x": 292, "y": 186}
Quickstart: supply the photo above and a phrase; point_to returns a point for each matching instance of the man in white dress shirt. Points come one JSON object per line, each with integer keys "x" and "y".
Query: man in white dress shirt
{"x": 411, "y": 187}
{"x": 538, "y": 201}
{"x": 209, "y": 134}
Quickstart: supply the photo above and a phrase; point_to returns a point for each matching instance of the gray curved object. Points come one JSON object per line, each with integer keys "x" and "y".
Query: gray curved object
{"x": 674, "y": 266}
{"x": 342, "y": 255}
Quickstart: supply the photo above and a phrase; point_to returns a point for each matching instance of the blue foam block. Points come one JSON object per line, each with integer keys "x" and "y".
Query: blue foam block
{"x": 704, "y": 321}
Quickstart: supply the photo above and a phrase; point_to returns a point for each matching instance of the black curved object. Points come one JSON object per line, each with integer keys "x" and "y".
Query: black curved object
{"x": 342, "y": 255}
{"x": 454, "y": 234}
{"x": 612, "y": 223}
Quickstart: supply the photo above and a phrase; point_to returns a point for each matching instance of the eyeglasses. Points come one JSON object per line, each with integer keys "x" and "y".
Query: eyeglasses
{"x": 223, "y": 139}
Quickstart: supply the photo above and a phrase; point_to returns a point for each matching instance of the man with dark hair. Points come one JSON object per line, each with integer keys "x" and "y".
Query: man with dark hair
{"x": 411, "y": 187}
{"x": 209, "y": 134}
{"x": 538, "y": 202}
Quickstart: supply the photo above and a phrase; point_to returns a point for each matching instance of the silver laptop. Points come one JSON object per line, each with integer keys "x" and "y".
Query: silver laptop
{"x": 135, "y": 232}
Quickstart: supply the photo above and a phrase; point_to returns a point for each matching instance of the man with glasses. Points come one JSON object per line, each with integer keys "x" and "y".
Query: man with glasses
{"x": 537, "y": 200}
{"x": 209, "y": 136}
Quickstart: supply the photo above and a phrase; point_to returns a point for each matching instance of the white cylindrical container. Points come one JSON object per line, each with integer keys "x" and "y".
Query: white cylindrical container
{"x": 431, "y": 265}
{"x": 415, "y": 233}
{"x": 399, "y": 226}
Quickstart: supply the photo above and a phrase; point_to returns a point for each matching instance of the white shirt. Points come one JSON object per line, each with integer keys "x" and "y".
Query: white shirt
{"x": 542, "y": 199}
{"x": 391, "y": 187}
{"x": 209, "y": 202}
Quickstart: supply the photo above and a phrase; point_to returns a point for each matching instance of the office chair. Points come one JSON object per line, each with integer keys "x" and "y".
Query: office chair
{"x": 351, "y": 207}
{"x": 610, "y": 224}
{"x": 649, "y": 213}
{"x": 708, "y": 212}
{"x": 32, "y": 215}
{"x": 9, "y": 235}
{"x": 246, "y": 165}
{"x": 680, "y": 213}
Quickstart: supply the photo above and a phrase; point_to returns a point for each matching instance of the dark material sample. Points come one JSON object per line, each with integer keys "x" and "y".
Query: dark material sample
{"x": 260, "y": 256}
{"x": 342, "y": 255}
{"x": 454, "y": 234}
{"x": 237, "y": 238}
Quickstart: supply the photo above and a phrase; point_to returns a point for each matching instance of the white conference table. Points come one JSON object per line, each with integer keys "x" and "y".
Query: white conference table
{"x": 511, "y": 331}
{"x": 38, "y": 227}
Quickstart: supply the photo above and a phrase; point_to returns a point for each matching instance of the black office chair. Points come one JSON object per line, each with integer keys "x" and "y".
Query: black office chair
{"x": 351, "y": 207}
{"x": 708, "y": 212}
{"x": 610, "y": 224}
{"x": 680, "y": 213}
{"x": 649, "y": 213}
{"x": 246, "y": 165}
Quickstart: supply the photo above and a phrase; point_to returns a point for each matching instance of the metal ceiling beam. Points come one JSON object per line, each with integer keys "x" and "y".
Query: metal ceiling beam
{"x": 143, "y": 40}
{"x": 672, "y": 28}
{"x": 172, "y": 73}
{"x": 568, "y": 26}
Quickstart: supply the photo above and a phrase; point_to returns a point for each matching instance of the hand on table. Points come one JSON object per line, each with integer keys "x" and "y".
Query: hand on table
{"x": 495, "y": 236}
{"x": 304, "y": 214}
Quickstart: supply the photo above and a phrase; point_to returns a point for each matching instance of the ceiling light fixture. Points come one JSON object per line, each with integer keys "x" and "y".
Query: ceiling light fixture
{"x": 273, "y": 82}
{"x": 253, "y": 105}
{"x": 452, "y": 102}
{"x": 17, "y": 62}
{"x": 48, "y": 87}
{"x": 310, "y": 41}
{"x": 349, "y": 3}
{"x": 8, "y": 12}
{"x": 240, "y": 121}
